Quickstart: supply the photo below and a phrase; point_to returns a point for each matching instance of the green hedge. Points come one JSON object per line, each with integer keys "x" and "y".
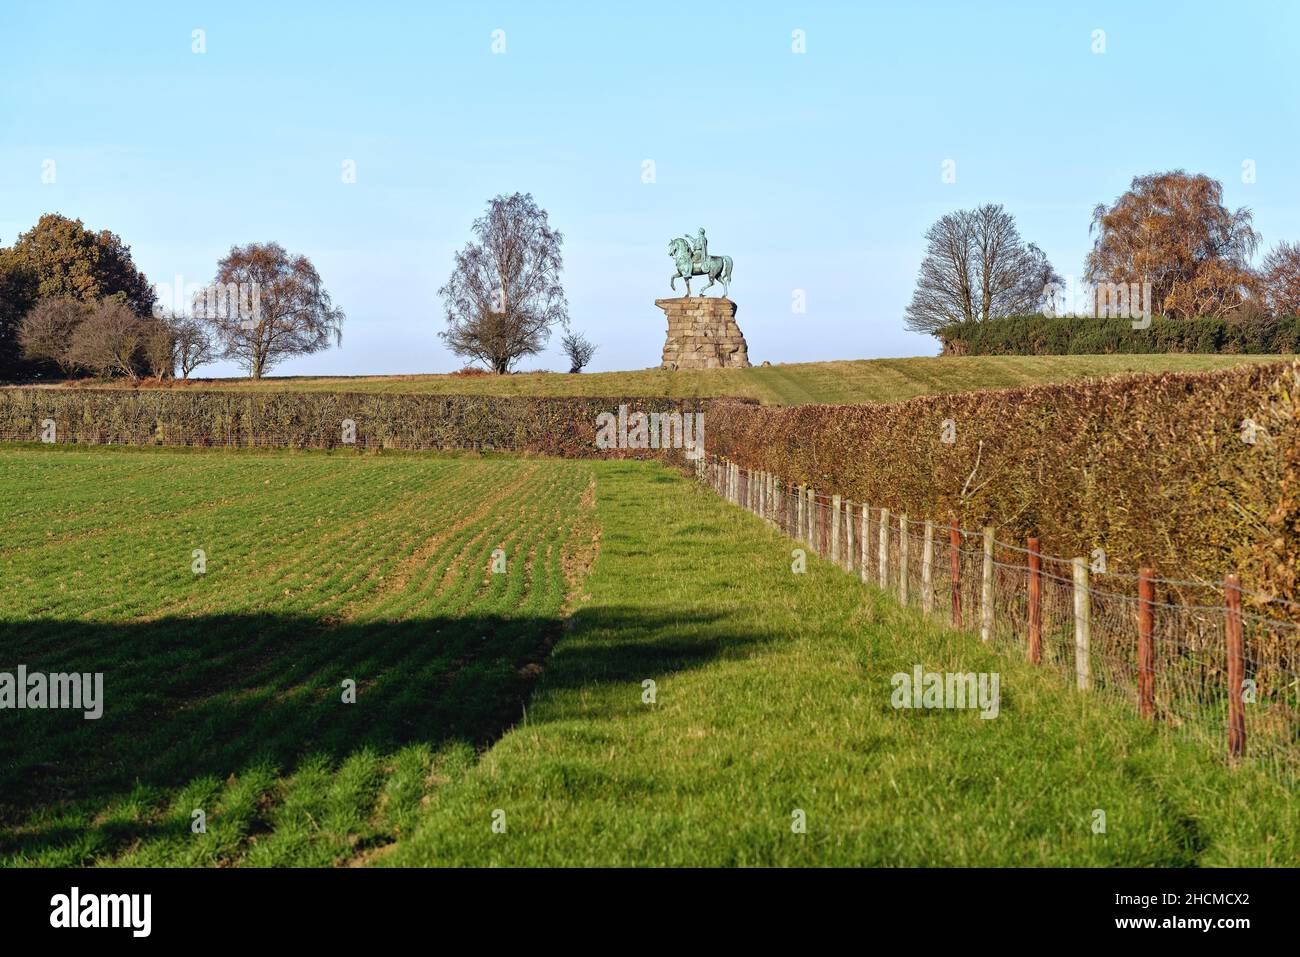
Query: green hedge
{"x": 544, "y": 426}
{"x": 1076, "y": 335}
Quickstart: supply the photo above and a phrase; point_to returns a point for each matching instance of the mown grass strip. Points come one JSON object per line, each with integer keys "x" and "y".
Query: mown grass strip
{"x": 863, "y": 380}
{"x": 773, "y": 696}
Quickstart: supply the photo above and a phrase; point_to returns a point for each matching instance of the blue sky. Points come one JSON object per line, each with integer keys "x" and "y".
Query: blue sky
{"x": 816, "y": 171}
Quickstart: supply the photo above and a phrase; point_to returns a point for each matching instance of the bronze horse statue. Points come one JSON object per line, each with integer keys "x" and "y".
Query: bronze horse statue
{"x": 717, "y": 268}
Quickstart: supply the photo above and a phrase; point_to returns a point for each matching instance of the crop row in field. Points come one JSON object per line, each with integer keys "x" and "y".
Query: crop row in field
{"x": 225, "y": 689}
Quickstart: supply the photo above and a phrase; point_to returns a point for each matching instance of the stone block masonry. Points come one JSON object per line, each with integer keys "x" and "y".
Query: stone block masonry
{"x": 702, "y": 334}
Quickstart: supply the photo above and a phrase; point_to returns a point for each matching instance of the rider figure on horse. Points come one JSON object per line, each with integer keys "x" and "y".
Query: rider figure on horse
{"x": 700, "y": 249}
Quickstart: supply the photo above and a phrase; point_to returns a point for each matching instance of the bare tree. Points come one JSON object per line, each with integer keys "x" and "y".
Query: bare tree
{"x": 1280, "y": 279}
{"x": 46, "y": 331}
{"x": 504, "y": 294}
{"x": 194, "y": 346}
{"x": 110, "y": 339}
{"x": 279, "y": 308}
{"x": 579, "y": 349}
{"x": 159, "y": 348}
{"x": 977, "y": 268}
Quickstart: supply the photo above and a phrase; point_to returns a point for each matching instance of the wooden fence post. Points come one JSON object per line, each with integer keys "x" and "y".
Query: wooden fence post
{"x": 954, "y": 565}
{"x": 794, "y": 500}
{"x": 835, "y": 528}
{"x": 927, "y": 569}
{"x": 823, "y": 531}
{"x": 986, "y": 588}
{"x": 848, "y": 536}
{"x": 864, "y": 540}
{"x": 1236, "y": 669}
{"x": 819, "y": 533}
{"x": 1146, "y": 650}
{"x": 903, "y": 564}
{"x": 1082, "y": 625}
{"x": 883, "y": 552}
{"x": 798, "y": 513}
{"x": 805, "y": 529}
{"x": 1035, "y": 602}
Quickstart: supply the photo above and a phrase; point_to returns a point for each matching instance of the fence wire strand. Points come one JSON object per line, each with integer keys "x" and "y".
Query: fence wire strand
{"x": 1189, "y": 644}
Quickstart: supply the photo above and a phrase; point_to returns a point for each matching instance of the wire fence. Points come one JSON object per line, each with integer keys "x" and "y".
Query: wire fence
{"x": 1211, "y": 659}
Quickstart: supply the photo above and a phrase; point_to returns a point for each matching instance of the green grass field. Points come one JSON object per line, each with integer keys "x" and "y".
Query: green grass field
{"x": 223, "y": 691}
{"x": 867, "y": 380}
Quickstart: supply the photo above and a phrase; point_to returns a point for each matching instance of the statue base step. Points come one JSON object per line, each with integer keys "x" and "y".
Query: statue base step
{"x": 702, "y": 334}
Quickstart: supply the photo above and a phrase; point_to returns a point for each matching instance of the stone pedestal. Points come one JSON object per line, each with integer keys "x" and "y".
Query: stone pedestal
{"x": 702, "y": 334}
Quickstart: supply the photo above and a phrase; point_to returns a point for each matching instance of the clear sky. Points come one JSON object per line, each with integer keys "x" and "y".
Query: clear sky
{"x": 816, "y": 171}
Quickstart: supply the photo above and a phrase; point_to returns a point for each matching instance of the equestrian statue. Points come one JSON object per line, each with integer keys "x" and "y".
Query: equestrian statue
{"x": 693, "y": 259}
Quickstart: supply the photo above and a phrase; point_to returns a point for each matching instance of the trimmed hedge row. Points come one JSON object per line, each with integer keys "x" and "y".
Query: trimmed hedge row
{"x": 1153, "y": 469}
{"x": 1074, "y": 335}
{"x": 544, "y": 426}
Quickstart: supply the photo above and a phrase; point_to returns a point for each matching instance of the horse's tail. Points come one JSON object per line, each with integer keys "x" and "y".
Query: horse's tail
{"x": 726, "y": 269}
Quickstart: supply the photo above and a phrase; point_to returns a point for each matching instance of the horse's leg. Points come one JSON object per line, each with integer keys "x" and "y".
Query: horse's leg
{"x": 715, "y": 272}
{"x": 706, "y": 288}
{"x": 672, "y": 281}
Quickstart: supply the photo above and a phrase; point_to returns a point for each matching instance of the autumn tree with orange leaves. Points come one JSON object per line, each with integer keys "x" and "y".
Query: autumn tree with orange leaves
{"x": 1279, "y": 279}
{"x": 1173, "y": 231}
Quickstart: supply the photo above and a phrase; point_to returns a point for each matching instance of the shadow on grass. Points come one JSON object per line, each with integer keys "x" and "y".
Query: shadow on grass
{"x": 187, "y": 699}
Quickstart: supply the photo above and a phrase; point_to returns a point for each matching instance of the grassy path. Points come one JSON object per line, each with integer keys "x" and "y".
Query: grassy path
{"x": 865, "y": 380}
{"x": 772, "y": 695}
